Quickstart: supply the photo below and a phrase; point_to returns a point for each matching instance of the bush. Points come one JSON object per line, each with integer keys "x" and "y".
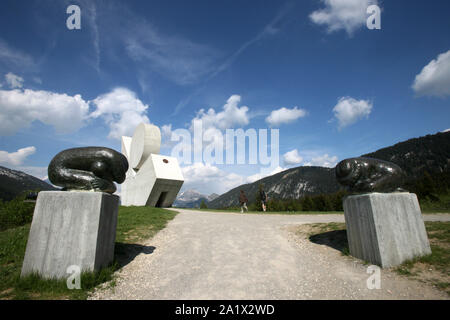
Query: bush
{"x": 15, "y": 213}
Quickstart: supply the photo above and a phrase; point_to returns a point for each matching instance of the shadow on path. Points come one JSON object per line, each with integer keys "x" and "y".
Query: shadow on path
{"x": 124, "y": 253}
{"x": 335, "y": 239}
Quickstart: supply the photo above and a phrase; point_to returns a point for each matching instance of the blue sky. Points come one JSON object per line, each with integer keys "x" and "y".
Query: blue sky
{"x": 311, "y": 69}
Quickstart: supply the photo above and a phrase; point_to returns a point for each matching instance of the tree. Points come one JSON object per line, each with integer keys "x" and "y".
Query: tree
{"x": 203, "y": 205}
{"x": 307, "y": 203}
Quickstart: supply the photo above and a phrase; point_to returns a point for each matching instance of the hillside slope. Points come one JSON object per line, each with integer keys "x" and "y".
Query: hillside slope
{"x": 429, "y": 153}
{"x": 415, "y": 156}
{"x": 291, "y": 183}
{"x": 13, "y": 183}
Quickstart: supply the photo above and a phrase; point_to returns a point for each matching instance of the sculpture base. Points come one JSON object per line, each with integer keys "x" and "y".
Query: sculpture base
{"x": 71, "y": 228}
{"x": 385, "y": 228}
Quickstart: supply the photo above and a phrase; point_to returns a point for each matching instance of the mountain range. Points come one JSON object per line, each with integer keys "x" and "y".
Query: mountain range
{"x": 192, "y": 199}
{"x": 13, "y": 183}
{"x": 430, "y": 153}
{"x": 291, "y": 183}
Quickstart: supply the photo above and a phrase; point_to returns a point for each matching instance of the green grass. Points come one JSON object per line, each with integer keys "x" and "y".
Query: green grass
{"x": 438, "y": 261}
{"x": 138, "y": 223}
{"x": 441, "y": 206}
{"x": 134, "y": 225}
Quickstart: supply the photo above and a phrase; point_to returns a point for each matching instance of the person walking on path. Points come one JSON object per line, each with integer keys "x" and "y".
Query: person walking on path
{"x": 263, "y": 197}
{"x": 243, "y": 201}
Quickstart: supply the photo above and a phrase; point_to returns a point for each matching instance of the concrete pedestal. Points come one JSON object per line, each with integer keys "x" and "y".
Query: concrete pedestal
{"x": 385, "y": 228}
{"x": 71, "y": 228}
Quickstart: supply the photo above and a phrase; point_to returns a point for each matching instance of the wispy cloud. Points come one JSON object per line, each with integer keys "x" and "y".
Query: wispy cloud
{"x": 272, "y": 28}
{"x": 89, "y": 22}
{"x": 15, "y": 57}
{"x": 180, "y": 60}
{"x": 91, "y": 18}
{"x": 174, "y": 57}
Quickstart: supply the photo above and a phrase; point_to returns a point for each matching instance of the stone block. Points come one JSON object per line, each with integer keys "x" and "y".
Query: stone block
{"x": 385, "y": 229}
{"x": 71, "y": 228}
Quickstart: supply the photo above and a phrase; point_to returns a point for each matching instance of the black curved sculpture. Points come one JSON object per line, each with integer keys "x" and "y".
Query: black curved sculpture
{"x": 370, "y": 175}
{"x": 89, "y": 168}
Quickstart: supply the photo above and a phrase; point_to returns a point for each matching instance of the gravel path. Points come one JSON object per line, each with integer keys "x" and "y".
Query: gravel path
{"x": 211, "y": 255}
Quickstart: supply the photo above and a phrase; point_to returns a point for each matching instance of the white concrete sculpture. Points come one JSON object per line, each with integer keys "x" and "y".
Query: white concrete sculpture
{"x": 152, "y": 179}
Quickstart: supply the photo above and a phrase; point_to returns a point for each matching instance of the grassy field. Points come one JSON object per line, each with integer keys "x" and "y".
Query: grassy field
{"x": 433, "y": 269}
{"x": 441, "y": 206}
{"x": 134, "y": 225}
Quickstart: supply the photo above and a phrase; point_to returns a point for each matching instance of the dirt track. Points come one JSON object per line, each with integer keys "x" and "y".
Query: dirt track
{"x": 211, "y": 255}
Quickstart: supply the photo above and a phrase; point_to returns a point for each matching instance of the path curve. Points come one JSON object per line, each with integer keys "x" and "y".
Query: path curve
{"x": 215, "y": 255}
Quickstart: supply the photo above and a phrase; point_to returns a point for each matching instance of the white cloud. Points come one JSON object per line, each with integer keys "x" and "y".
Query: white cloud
{"x": 166, "y": 134}
{"x": 38, "y": 172}
{"x": 348, "y": 15}
{"x": 16, "y": 158}
{"x": 121, "y": 110}
{"x": 292, "y": 157}
{"x": 349, "y": 110}
{"x": 214, "y": 123}
{"x": 13, "y": 80}
{"x": 230, "y": 117}
{"x": 446, "y": 130}
{"x": 323, "y": 161}
{"x": 19, "y": 108}
{"x": 166, "y": 138}
{"x": 434, "y": 79}
{"x": 284, "y": 115}
{"x": 260, "y": 175}
{"x": 208, "y": 179}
